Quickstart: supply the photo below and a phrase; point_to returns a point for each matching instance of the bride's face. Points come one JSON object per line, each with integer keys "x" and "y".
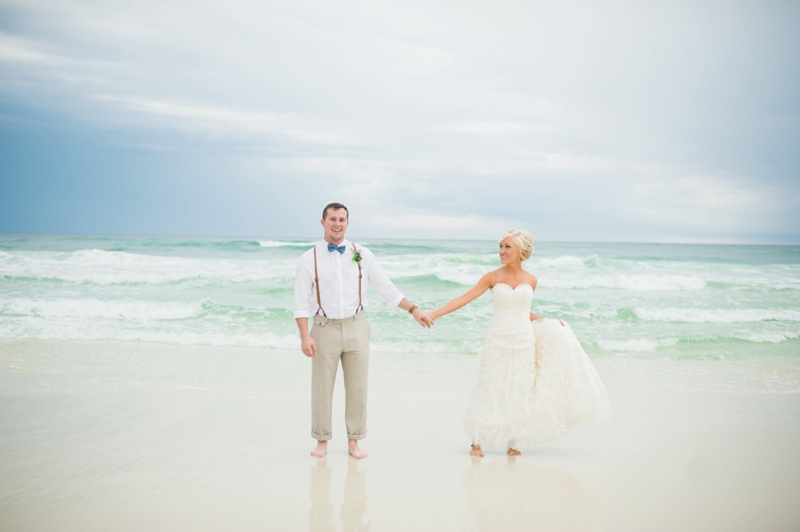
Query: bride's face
{"x": 509, "y": 253}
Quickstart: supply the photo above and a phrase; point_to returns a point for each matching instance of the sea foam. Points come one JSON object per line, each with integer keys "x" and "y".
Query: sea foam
{"x": 566, "y": 261}
{"x": 695, "y": 315}
{"x": 240, "y": 292}
{"x": 771, "y": 337}
{"x": 116, "y": 267}
{"x": 62, "y": 332}
{"x": 635, "y": 283}
{"x": 92, "y": 309}
{"x": 635, "y": 345}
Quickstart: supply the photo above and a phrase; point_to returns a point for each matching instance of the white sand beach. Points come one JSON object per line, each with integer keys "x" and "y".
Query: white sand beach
{"x": 145, "y": 436}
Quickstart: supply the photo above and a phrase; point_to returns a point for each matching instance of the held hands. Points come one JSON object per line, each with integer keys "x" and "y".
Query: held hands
{"x": 423, "y": 317}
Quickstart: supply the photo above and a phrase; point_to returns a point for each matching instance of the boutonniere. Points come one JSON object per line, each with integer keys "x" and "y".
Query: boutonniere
{"x": 356, "y": 254}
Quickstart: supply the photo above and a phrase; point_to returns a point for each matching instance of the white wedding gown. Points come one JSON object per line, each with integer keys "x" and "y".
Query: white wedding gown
{"x": 535, "y": 380}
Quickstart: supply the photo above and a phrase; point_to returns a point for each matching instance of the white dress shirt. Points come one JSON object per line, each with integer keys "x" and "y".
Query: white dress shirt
{"x": 338, "y": 282}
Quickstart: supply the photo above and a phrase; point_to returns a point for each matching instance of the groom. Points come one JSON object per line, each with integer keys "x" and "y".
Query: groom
{"x": 330, "y": 286}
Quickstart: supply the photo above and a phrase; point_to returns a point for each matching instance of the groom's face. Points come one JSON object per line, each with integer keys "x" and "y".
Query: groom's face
{"x": 335, "y": 225}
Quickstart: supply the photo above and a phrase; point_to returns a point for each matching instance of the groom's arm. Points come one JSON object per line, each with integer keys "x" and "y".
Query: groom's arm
{"x": 307, "y": 344}
{"x": 388, "y": 291}
{"x": 418, "y": 314}
{"x": 303, "y": 285}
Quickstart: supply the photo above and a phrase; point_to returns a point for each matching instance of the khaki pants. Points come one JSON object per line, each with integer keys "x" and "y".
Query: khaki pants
{"x": 346, "y": 339}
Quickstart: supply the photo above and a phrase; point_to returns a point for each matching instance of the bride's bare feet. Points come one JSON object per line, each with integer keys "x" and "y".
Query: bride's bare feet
{"x": 354, "y": 450}
{"x": 513, "y": 452}
{"x": 321, "y": 449}
{"x": 475, "y": 450}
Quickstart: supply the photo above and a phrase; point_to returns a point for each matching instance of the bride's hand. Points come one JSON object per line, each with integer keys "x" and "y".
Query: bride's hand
{"x": 428, "y": 319}
{"x": 420, "y": 316}
{"x": 562, "y": 323}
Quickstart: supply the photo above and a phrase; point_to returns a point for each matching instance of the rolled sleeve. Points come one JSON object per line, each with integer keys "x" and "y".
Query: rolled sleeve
{"x": 378, "y": 279}
{"x": 396, "y": 301}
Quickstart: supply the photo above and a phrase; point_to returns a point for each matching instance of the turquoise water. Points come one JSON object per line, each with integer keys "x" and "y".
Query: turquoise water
{"x": 642, "y": 300}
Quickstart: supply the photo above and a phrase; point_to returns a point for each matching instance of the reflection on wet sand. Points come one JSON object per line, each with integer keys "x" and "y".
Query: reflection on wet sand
{"x": 354, "y": 506}
{"x": 320, "y": 515}
{"x": 511, "y": 495}
{"x": 355, "y": 498}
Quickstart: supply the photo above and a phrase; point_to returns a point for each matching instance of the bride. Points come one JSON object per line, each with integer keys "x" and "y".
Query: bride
{"x": 535, "y": 380}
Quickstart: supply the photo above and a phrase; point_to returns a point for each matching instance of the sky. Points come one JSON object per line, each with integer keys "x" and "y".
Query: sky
{"x": 585, "y": 121}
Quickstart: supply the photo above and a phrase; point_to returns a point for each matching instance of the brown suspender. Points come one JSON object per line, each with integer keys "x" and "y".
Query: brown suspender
{"x": 316, "y": 285}
{"x": 360, "y": 307}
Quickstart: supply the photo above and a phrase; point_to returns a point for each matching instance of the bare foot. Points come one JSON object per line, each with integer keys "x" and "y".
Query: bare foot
{"x": 513, "y": 452}
{"x": 475, "y": 450}
{"x": 354, "y": 450}
{"x": 321, "y": 449}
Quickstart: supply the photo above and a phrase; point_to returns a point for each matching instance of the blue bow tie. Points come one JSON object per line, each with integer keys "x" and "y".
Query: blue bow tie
{"x": 340, "y": 249}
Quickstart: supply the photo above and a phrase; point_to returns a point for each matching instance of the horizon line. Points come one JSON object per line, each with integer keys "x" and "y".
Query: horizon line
{"x": 258, "y": 238}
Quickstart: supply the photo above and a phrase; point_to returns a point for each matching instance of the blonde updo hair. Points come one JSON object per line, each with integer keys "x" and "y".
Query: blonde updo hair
{"x": 523, "y": 240}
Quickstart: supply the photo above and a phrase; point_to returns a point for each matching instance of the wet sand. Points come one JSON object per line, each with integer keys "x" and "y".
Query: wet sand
{"x": 137, "y": 436}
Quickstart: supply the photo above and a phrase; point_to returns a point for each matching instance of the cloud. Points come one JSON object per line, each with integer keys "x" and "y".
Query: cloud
{"x": 493, "y": 128}
{"x": 426, "y": 221}
{"x": 632, "y": 121}
{"x": 192, "y": 117}
{"x": 584, "y": 163}
{"x": 707, "y": 192}
{"x": 421, "y": 225}
{"x": 411, "y": 59}
{"x": 703, "y": 208}
{"x": 15, "y": 49}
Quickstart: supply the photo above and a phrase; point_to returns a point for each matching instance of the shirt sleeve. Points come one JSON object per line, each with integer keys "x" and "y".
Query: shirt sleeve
{"x": 303, "y": 284}
{"x": 378, "y": 279}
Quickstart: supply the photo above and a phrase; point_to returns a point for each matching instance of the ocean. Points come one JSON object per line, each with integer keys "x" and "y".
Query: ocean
{"x": 644, "y": 301}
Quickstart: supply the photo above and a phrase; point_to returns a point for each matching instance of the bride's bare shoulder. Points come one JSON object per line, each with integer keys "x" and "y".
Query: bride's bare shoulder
{"x": 532, "y": 280}
{"x": 492, "y": 277}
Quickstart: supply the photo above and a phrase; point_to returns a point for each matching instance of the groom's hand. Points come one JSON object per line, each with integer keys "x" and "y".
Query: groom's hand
{"x": 308, "y": 346}
{"x": 421, "y": 317}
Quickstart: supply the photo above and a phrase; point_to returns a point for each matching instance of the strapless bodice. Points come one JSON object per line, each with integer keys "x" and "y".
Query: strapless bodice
{"x": 511, "y": 307}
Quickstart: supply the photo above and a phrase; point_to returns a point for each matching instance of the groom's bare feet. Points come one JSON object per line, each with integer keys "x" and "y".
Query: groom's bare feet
{"x": 354, "y": 450}
{"x": 475, "y": 450}
{"x": 321, "y": 449}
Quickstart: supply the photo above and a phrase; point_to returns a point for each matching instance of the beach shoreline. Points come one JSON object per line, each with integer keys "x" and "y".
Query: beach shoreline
{"x": 135, "y": 435}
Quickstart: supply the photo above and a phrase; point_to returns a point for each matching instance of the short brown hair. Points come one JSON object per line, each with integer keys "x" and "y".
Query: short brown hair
{"x": 335, "y": 207}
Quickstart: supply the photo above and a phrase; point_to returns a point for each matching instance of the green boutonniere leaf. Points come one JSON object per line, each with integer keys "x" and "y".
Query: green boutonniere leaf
{"x": 356, "y": 254}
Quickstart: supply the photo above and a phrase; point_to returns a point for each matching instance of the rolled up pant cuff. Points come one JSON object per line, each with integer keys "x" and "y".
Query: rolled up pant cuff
{"x": 320, "y": 437}
{"x": 356, "y": 436}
